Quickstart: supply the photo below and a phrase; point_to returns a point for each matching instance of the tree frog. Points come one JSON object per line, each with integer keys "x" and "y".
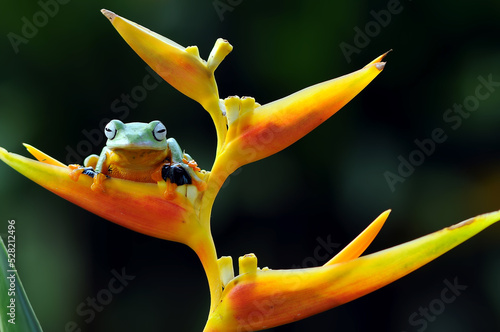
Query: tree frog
{"x": 140, "y": 152}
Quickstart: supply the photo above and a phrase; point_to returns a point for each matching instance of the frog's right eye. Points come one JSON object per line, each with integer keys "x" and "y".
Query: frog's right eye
{"x": 160, "y": 132}
{"x": 110, "y": 130}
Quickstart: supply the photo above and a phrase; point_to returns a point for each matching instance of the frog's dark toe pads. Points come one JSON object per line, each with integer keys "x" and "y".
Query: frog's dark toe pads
{"x": 89, "y": 171}
{"x": 176, "y": 174}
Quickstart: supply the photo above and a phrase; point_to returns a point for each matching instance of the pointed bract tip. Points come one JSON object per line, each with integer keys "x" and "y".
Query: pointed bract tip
{"x": 28, "y": 147}
{"x": 383, "y": 216}
{"x": 357, "y": 246}
{"x": 379, "y": 60}
{"x": 109, "y": 14}
{"x": 42, "y": 157}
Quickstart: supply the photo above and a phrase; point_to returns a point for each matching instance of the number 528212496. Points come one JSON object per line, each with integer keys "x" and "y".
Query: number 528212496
{"x": 11, "y": 243}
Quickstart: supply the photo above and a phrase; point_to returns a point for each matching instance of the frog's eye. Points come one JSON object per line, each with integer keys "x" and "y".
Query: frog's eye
{"x": 110, "y": 130}
{"x": 160, "y": 132}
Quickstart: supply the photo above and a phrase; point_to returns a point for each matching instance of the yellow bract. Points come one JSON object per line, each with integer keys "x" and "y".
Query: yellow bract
{"x": 182, "y": 67}
{"x": 256, "y": 132}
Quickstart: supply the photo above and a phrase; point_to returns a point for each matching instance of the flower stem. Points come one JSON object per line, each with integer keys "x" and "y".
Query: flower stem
{"x": 204, "y": 247}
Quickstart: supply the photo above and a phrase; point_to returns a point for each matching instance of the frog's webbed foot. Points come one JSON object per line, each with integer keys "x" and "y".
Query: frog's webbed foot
{"x": 176, "y": 174}
{"x": 77, "y": 170}
{"x": 88, "y": 167}
{"x": 89, "y": 171}
{"x": 180, "y": 174}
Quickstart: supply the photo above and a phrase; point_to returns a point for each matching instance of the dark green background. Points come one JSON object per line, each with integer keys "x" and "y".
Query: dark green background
{"x": 329, "y": 184}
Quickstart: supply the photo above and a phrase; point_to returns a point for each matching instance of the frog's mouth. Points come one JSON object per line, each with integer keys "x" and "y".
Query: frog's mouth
{"x": 139, "y": 156}
{"x": 136, "y": 146}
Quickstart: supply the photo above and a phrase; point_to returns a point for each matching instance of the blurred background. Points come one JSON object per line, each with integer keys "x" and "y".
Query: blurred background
{"x": 71, "y": 71}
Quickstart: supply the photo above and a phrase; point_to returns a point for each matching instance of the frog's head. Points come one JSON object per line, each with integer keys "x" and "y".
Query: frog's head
{"x": 136, "y": 135}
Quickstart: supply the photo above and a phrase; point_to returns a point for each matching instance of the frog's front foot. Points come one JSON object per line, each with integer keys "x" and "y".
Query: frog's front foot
{"x": 77, "y": 170}
{"x": 176, "y": 174}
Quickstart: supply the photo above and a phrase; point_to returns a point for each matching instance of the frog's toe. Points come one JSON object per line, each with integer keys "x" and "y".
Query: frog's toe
{"x": 169, "y": 193}
{"x": 97, "y": 184}
{"x": 76, "y": 171}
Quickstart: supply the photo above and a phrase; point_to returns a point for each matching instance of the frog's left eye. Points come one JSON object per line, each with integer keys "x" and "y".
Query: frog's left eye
{"x": 110, "y": 130}
{"x": 160, "y": 132}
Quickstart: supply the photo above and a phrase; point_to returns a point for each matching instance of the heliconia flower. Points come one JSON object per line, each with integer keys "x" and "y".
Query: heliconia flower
{"x": 261, "y": 299}
{"x": 241, "y": 127}
{"x": 246, "y": 131}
